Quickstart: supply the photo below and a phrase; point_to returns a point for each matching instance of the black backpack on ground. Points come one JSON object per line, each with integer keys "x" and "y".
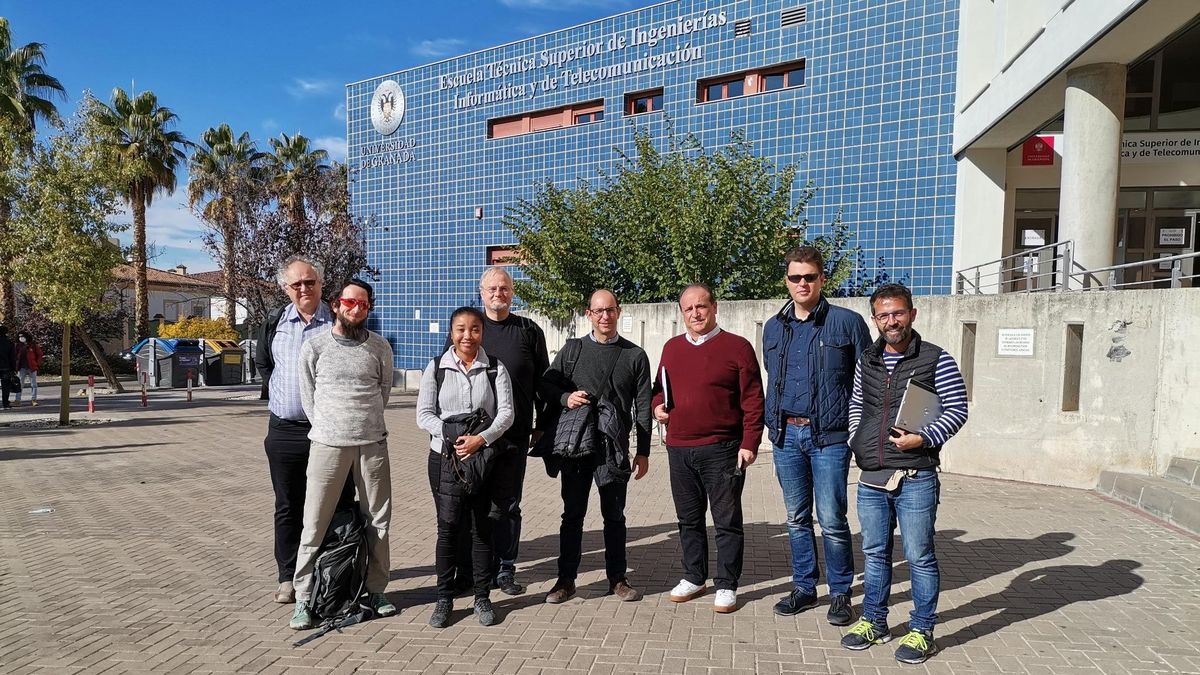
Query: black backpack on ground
{"x": 340, "y": 575}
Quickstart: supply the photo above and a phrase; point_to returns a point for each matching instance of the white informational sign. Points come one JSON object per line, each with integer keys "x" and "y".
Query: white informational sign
{"x": 433, "y": 327}
{"x": 1015, "y": 342}
{"x": 1153, "y": 147}
{"x": 1171, "y": 236}
{"x": 1033, "y": 238}
{"x": 1029, "y": 264}
{"x": 417, "y": 314}
{"x": 1165, "y": 265}
{"x": 626, "y": 324}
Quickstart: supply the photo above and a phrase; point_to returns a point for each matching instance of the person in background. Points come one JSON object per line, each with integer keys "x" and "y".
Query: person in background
{"x": 8, "y": 366}
{"x": 29, "y": 360}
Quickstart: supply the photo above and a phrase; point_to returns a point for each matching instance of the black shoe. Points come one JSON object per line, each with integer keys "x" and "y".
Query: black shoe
{"x": 485, "y": 611}
{"x": 795, "y": 602}
{"x": 864, "y": 634}
{"x": 507, "y": 583}
{"x": 441, "y": 613}
{"x": 840, "y": 612}
{"x": 916, "y": 647}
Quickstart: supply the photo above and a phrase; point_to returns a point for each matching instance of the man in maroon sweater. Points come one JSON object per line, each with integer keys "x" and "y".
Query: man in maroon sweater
{"x": 713, "y": 408}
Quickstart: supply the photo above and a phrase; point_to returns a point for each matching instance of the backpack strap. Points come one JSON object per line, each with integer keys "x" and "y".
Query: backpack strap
{"x": 438, "y": 377}
{"x": 571, "y": 350}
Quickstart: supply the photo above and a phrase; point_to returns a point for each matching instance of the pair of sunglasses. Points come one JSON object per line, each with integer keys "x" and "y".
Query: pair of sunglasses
{"x": 810, "y": 278}
{"x": 351, "y": 303}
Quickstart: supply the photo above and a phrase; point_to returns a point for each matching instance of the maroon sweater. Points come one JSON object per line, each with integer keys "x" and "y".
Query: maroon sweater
{"x": 716, "y": 391}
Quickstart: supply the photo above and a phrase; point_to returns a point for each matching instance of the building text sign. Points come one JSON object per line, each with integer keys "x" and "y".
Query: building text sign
{"x": 1160, "y": 146}
{"x": 1015, "y": 342}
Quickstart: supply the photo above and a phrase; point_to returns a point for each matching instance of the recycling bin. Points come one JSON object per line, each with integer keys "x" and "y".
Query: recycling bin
{"x": 167, "y": 362}
{"x": 249, "y": 372}
{"x": 223, "y": 362}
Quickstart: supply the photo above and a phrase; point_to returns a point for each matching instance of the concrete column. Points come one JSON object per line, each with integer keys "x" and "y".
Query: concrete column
{"x": 979, "y": 235}
{"x": 1094, "y": 112}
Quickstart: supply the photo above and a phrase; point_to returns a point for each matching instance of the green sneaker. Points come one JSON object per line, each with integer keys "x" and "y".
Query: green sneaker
{"x": 864, "y": 634}
{"x": 380, "y": 604}
{"x": 916, "y": 647}
{"x": 301, "y": 618}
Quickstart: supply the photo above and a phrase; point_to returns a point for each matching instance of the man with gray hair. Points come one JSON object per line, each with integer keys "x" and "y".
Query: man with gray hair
{"x": 520, "y": 345}
{"x": 277, "y": 358}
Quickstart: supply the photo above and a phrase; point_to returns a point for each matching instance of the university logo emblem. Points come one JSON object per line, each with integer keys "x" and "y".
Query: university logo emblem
{"x": 387, "y": 107}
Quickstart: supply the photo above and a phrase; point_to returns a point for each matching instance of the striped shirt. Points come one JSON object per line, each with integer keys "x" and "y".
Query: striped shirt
{"x": 951, "y": 391}
{"x": 290, "y": 336}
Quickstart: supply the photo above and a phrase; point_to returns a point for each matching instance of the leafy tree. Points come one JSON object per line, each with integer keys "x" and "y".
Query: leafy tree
{"x": 209, "y": 329}
{"x": 61, "y": 231}
{"x": 27, "y": 95}
{"x": 142, "y": 144}
{"x": 224, "y": 176}
{"x": 663, "y": 220}
{"x": 294, "y": 168}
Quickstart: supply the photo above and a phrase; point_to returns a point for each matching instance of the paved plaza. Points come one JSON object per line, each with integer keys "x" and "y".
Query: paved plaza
{"x": 157, "y": 558}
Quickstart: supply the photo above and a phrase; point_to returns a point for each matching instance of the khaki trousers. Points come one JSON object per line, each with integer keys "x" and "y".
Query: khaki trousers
{"x": 327, "y": 471}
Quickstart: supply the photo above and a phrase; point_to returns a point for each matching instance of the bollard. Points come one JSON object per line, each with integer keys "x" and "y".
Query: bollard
{"x": 191, "y": 374}
{"x": 91, "y": 393}
{"x": 145, "y": 401}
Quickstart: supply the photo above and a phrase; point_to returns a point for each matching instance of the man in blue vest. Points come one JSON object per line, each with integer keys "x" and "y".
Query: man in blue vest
{"x": 809, "y": 351}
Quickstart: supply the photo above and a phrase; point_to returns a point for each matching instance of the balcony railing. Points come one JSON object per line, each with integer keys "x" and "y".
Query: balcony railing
{"x": 1053, "y": 268}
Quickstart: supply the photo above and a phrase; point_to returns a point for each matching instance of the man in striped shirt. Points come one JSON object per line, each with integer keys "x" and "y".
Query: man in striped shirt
{"x": 899, "y": 482}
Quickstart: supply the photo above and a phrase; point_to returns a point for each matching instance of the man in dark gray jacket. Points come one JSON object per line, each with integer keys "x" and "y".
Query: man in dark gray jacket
{"x": 601, "y": 365}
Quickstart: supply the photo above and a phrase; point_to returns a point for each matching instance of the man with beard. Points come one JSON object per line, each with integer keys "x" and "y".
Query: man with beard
{"x": 283, "y": 333}
{"x": 899, "y": 482}
{"x": 519, "y": 344}
{"x": 345, "y": 382}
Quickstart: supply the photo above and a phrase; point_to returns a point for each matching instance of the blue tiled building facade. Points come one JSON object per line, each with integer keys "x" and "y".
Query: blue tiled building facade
{"x": 858, "y": 93}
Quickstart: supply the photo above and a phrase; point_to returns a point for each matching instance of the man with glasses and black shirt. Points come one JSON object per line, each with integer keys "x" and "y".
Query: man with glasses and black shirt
{"x": 345, "y": 383}
{"x": 277, "y": 358}
{"x": 520, "y": 345}
{"x": 601, "y": 365}
{"x": 899, "y": 482}
{"x": 809, "y": 351}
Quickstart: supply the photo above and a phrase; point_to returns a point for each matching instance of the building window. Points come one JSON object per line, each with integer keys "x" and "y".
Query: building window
{"x": 772, "y": 78}
{"x": 644, "y": 102}
{"x": 544, "y": 120}
{"x": 502, "y": 255}
{"x": 200, "y": 309}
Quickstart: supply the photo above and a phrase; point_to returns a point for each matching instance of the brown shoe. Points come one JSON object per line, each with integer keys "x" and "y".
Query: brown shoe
{"x": 562, "y": 592}
{"x": 624, "y": 591}
{"x": 286, "y": 594}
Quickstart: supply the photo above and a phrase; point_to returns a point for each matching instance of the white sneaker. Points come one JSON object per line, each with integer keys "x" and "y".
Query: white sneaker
{"x": 686, "y": 590}
{"x": 725, "y": 601}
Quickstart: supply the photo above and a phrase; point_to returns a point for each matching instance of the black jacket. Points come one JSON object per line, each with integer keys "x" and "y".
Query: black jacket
{"x": 882, "y": 391}
{"x": 8, "y": 355}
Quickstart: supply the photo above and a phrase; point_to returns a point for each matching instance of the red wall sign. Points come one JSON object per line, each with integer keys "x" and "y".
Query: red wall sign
{"x": 1038, "y": 151}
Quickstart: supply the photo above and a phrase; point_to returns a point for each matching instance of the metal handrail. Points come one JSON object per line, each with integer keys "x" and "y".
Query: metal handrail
{"x": 975, "y": 276}
{"x": 1176, "y": 279}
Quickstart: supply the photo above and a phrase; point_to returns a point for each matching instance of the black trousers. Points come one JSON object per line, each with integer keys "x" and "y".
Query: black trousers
{"x": 506, "y": 484}
{"x": 286, "y": 445}
{"x": 5, "y": 391}
{"x": 459, "y": 514}
{"x": 704, "y": 477}
{"x": 577, "y": 478}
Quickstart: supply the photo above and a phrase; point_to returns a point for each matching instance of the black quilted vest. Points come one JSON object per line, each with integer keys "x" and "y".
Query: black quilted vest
{"x": 882, "y": 392}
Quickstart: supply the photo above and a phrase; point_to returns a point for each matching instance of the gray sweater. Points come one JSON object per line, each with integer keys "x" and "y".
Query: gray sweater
{"x": 344, "y": 388}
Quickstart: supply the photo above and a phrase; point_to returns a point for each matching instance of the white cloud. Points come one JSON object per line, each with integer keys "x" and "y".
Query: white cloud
{"x": 538, "y": 5}
{"x": 172, "y": 227}
{"x": 339, "y": 113}
{"x": 437, "y": 48}
{"x": 302, "y": 88}
{"x": 334, "y": 145}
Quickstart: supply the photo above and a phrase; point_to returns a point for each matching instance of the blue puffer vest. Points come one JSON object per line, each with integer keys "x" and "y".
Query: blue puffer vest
{"x": 841, "y": 335}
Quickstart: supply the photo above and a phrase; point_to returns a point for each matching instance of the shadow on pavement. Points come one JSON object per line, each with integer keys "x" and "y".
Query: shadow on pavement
{"x": 44, "y": 453}
{"x": 1042, "y": 591}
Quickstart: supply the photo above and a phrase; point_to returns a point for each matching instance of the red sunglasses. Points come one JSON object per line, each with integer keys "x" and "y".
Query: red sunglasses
{"x": 351, "y": 303}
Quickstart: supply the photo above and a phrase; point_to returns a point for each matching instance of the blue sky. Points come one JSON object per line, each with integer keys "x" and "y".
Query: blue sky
{"x": 265, "y": 67}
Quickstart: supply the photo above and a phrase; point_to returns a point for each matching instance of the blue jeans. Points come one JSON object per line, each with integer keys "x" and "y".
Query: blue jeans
{"x": 914, "y": 506}
{"x": 807, "y": 471}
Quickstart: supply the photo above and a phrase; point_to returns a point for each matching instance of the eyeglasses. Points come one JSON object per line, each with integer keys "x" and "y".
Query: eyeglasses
{"x": 496, "y": 290}
{"x": 305, "y": 283}
{"x": 887, "y": 316}
{"x": 810, "y": 278}
{"x": 351, "y": 303}
{"x": 610, "y": 311}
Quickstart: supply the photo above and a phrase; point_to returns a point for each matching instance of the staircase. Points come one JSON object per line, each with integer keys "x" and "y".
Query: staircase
{"x": 1174, "y": 497}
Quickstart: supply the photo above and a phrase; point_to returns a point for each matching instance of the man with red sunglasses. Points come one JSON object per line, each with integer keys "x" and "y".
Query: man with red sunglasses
{"x": 345, "y": 382}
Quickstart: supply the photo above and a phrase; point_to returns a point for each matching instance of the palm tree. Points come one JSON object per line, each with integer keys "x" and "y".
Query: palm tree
{"x": 291, "y": 166}
{"x": 26, "y": 98}
{"x": 148, "y": 153}
{"x": 224, "y": 170}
